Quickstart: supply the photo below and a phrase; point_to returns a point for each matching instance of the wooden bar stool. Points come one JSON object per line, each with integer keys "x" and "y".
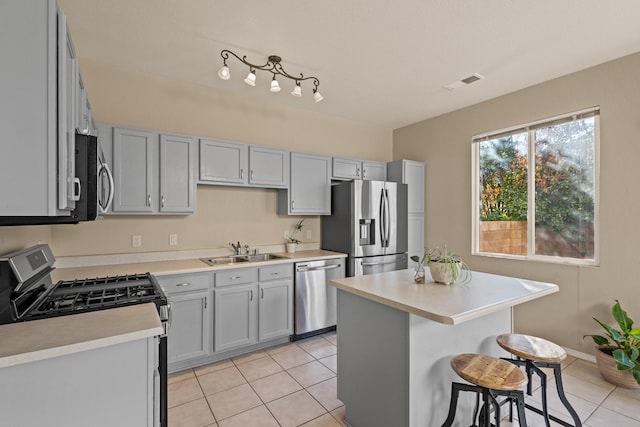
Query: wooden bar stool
{"x": 534, "y": 353}
{"x": 489, "y": 377}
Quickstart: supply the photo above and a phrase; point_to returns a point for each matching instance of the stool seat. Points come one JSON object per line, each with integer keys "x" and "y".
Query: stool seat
{"x": 489, "y": 372}
{"x": 532, "y": 348}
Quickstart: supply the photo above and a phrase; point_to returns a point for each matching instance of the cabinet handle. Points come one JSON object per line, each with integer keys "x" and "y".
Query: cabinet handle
{"x": 251, "y": 174}
{"x": 274, "y": 274}
{"x": 293, "y": 205}
{"x": 205, "y": 302}
{"x": 251, "y": 296}
{"x": 180, "y": 285}
{"x": 364, "y": 173}
{"x": 357, "y": 171}
{"x": 149, "y": 200}
{"x": 241, "y": 173}
{"x": 234, "y": 277}
{"x": 162, "y": 201}
{"x": 261, "y": 293}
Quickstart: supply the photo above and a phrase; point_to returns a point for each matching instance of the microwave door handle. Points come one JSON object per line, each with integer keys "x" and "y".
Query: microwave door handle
{"x": 107, "y": 172}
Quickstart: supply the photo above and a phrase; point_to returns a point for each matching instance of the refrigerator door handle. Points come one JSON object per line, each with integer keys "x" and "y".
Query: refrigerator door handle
{"x": 383, "y": 219}
{"x": 387, "y": 217}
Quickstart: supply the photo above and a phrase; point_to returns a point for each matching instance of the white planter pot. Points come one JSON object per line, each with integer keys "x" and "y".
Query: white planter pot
{"x": 291, "y": 247}
{"x": 444, "y": 273}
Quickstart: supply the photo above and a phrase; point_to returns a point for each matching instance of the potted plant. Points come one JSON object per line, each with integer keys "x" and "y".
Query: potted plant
{"x": 445, "y": 266}
{"x": 618, "y": 359}
{"x": 292, "y": 241}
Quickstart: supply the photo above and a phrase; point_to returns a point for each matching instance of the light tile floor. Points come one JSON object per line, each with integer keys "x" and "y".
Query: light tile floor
{"x": 295, "y": 385}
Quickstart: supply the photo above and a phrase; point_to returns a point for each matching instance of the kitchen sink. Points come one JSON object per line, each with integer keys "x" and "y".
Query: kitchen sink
{"x": 261, "y": 257}
{"x": 240, "y": 258}
{"x": 224, "y": 260}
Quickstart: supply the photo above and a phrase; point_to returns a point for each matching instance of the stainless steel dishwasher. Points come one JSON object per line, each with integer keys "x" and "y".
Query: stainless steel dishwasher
{"x": 315, "y": 299}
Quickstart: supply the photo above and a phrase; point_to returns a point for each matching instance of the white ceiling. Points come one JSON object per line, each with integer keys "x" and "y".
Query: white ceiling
{"x": 380, "y": 62}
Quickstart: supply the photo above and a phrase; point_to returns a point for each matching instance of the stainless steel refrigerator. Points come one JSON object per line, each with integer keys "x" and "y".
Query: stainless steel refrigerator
{"x": 368, "y": 222}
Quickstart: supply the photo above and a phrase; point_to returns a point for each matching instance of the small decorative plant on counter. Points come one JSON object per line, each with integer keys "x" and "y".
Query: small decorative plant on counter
{"x": 292, "y": 240}
{"x": 446, "y": 267}
{"x": 619, "y": 359}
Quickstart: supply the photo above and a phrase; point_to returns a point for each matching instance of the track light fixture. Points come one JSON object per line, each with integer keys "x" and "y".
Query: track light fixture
{"x": 273, "y": 66}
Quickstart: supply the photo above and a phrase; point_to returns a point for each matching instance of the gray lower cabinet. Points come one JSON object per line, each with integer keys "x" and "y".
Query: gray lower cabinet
{"x": 275, "y": 306}
{"x": 77, "y": 390}
{"x": 252, "y": 305}
{"x": 190, "y": 297}
{"x": 309, "y": 191}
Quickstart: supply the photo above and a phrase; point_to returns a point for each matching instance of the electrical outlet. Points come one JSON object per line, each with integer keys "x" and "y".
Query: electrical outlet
{"x": 308, "y": 234}
{"x": 136, "y": 241}
{"x": 173, "y": 239}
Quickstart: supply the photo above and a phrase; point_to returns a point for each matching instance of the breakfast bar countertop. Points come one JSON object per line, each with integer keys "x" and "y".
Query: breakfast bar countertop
{"x": 449, "y": 304}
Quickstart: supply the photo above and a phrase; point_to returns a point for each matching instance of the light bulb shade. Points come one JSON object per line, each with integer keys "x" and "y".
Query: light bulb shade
{"x": 275, "y": 87}
{"x": 251, "y": 79}
{"x": 297, "y": 91}
{"x": 317, "y": 97}
{"x": 224, "y": 73}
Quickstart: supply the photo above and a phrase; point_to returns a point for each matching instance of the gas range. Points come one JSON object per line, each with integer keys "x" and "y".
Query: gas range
{"x": 27, "y": 292}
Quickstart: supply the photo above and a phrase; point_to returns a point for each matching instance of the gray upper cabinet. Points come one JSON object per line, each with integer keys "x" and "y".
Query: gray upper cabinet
{"x": 310, "y": 187}
{"x": 133, "y": 170}
{"x": 177, "y": 181}
{"x": 36, "y": 154}
{"x": 345, "y": 169}
{"x": 152, "y": 173}
{"x": 233, "y": 163}
{"x": 268, "y": 167}
{"x": 223, "y": 162}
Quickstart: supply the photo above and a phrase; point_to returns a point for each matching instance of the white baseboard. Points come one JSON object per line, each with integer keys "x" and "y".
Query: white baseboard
{"x": 580, "y": 355}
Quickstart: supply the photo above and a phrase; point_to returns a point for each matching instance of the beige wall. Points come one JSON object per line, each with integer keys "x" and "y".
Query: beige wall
{"x": 224, "y": 214}
{"x": 444, "y": 144}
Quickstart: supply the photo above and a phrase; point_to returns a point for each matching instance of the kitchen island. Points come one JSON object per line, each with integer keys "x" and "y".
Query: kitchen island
{"x": 396, "y": 339}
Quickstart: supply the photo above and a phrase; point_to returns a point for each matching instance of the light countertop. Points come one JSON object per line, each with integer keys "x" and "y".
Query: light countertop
{"x": 25, "y": 342}
{"x": 450, "y": 304}
{"x": 181, "y": 266}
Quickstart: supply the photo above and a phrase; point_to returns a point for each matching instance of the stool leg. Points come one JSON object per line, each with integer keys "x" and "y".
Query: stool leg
{"x": 496, "y": 405}
{"x": 543, "y": 388}
{"x": 475, "y": 410}
{"x": 486, "y": 409}
{"x": 563, "y": 398}
{"x": 452, "y": 405}
{"x": 522, "y": 419}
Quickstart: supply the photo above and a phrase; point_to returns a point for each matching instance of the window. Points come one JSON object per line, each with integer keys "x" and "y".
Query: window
{"x": 536, "y": 190}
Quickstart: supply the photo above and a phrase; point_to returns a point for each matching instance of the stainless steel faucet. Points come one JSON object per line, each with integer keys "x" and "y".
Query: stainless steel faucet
{"x": 236, "y": 248}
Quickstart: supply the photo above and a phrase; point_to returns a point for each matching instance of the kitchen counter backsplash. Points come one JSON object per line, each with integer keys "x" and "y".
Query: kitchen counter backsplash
{"x": 143, "y": 257}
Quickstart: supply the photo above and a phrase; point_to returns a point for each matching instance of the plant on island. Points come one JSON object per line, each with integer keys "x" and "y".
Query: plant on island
{"x": 446, "y": 266}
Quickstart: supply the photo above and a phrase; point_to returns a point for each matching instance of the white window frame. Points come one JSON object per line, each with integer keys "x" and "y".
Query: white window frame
{"x": 475, "y": 193}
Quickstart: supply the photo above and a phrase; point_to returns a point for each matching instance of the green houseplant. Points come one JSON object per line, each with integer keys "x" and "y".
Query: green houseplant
{"x": 619, "y": 349}
{"x": 445, "y": 266}
{"x": 292, "y": 237}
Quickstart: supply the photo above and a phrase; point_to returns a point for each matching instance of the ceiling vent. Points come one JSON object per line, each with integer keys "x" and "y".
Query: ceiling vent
{"x": 466, "y": 81}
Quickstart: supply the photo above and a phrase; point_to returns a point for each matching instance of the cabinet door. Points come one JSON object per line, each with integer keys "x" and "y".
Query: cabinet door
{"x": 132, "y": 169}
{"x": 346, "y": 168}
{"x": 177, "y": 183}
{"x": 190, "y": 326}
{"x": 310, "y": 188}
{"x": 268, "y": 167}
{"x": 415, "y": 241}
{"x": 68, "y": 186}
{"x": 275, "y": 309}
{"x": 414, "y": 176}
{"x": 235, "y": 316}
{"x": 223, "y": 161}
{"x": 375, "y": 171}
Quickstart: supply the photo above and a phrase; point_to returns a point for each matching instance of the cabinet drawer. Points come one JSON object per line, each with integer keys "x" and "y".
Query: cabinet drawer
{"x": 274, "y": 272}
{"x": 184, "y": 282}
{"x": 236, "y": 276}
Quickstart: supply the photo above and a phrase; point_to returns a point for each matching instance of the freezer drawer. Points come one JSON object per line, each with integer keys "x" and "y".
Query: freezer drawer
{"x": 315, "y": 299}
{"x": 376, "y": 264}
